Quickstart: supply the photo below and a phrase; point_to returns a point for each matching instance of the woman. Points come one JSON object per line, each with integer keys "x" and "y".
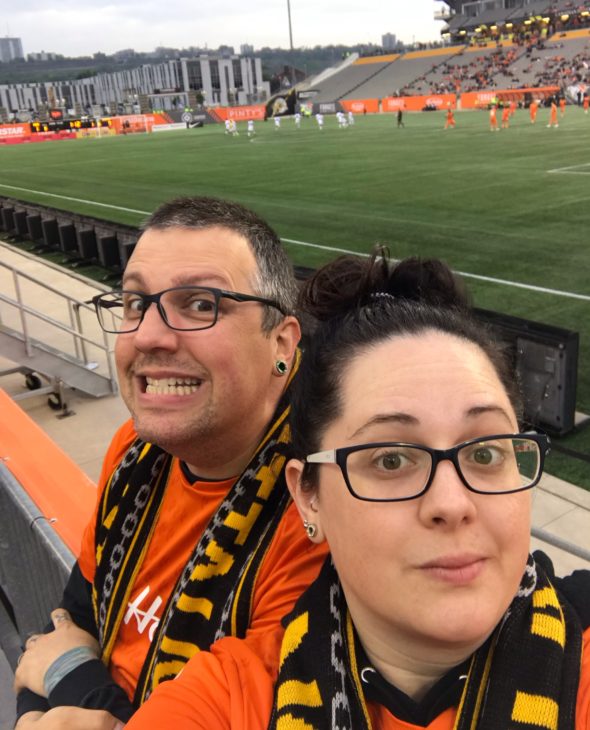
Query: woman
{"x": 411, "y": 465}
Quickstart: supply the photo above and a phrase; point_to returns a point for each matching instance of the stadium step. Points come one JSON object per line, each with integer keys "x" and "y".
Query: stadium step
{"x": 33, "y": 356}
{"x": 50, "y": 335}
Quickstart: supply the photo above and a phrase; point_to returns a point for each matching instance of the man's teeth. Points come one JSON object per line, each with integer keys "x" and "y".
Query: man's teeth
{"x": 172, "y": 386}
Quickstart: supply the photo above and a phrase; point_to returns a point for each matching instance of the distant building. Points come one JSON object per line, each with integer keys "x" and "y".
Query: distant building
{"x": 42, "y": 56}
{"x": 172, "y": 84}
{"x": 10, "y": 48}
{"x": 246, "y": 49}
{"x": 389, "y": 41}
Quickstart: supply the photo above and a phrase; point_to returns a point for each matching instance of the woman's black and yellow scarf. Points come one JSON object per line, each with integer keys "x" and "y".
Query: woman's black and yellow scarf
{"x": 525, "y": 678}
{"x": 213, "y": 595}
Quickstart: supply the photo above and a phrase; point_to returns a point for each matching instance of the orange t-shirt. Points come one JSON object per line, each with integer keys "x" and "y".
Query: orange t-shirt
{"x": 290, "y": 565}
{"x": 229, "y": 688}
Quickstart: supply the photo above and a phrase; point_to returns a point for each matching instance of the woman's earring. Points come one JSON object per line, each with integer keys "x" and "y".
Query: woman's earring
{"x": 310, "y": 528}
{"x": 281, "y": 367}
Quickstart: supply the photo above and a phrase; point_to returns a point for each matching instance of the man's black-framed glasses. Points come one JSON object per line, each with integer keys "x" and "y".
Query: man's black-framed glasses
{"x": 396, "y": 472}
{"x": 183, "y": 308}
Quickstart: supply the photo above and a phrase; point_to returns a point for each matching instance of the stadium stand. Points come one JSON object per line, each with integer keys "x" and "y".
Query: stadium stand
{"x": 392, "y": 80}
{"x": 351, "y": 78}
{"x": 468, "y": 70}
{"x": 560, "y": 62}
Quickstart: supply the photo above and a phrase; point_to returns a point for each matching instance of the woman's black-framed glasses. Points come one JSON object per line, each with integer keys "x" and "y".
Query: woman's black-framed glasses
{"x": 396, "y": 472}
{"x": 183, "y": 308}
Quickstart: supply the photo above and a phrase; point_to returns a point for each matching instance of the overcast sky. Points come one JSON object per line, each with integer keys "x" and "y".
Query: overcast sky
{"x": 75, "y": 29}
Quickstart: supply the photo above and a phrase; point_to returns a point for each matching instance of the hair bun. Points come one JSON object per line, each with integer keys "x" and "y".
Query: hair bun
{"x": 350, "y": 282}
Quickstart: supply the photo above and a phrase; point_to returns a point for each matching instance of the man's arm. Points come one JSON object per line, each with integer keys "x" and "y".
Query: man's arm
{"x": 88, "y": 685}
{"x": 77, "y": 600}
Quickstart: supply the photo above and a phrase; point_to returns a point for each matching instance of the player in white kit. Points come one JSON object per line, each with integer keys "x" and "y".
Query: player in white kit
{"x": 320, "y": 120}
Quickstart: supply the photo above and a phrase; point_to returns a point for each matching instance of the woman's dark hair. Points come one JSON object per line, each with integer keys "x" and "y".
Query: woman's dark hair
{"x": 353, "y": 303}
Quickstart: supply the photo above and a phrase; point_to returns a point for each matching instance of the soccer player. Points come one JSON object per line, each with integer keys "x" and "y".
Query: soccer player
{"x": 277, "y": 121}
{"x": 493, "y": 119}
{"x": 350, "y": 119}
{"x": 553, "y": 116}
{"x": 562, "y": 106}
{"x": 251, "y": 131}
{"x": 506, "y": 117}
{"x": 534, "y": 105}
{"x": 227, "y": 124}
{"x": 450, "y": 121}
{"x": 320, "y": 120}
{"x": 586, "y": 103}
{"x": 400, "y": 117}
{"x": 297, "y": 119}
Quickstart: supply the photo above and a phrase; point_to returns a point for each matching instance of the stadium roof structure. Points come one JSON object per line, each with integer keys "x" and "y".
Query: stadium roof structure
{"x": 540, "y": 7}
{"x": 487, "y": 17}
{"x": 567, "y": 6}
{"x": 457, "y": 22}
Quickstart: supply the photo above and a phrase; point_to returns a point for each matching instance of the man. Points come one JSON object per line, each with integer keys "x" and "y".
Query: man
{"x": 450, "y": 120}
{"x": 533, "y": 107}
{"x": 553, "y": 115}
{"x": 506, "y": 117}
{"x": 493, "y": 119}
{"x": 194, "y": 536}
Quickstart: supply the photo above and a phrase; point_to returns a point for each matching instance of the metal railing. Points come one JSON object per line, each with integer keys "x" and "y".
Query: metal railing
{"x": 75, "y": 328}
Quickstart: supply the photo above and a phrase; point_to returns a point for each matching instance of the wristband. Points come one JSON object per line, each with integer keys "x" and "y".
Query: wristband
{"x": 64, "y": 664}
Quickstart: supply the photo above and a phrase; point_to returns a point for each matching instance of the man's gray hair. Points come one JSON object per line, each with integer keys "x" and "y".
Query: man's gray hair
{"x": 274, "y": 278}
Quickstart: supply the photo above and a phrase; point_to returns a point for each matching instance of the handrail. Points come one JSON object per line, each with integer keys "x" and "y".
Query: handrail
{"x": 75, "y": 329}
{"x": 44, "y": 318}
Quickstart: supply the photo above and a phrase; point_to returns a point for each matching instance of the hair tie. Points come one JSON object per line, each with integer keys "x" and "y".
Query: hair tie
{"x": 382, "y": 295}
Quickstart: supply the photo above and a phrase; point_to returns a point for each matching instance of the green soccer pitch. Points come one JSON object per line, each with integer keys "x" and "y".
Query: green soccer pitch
{"x": 512, "y": 206}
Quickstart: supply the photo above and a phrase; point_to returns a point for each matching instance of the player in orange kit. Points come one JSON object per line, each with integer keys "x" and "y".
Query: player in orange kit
{"x": 450, "y": 121}
{"x": 505, "y": 117}
{"x": 534, "y": 105}
{"x": 586, "y": 103}
{"x": 562, "y": 106}
{"x": 553, "y": 117}
{"x": 493, "y": 119}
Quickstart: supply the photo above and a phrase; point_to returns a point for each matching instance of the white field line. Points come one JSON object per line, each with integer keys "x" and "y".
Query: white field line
{"x": 467, "y": 275}
{"x": 571, "y": 170}
{"x": 75, "y": 200}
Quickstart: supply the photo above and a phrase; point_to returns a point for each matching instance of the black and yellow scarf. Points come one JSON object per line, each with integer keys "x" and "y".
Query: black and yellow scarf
{"x": 213, "y": 594}
{"x": 525, "y": 678}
